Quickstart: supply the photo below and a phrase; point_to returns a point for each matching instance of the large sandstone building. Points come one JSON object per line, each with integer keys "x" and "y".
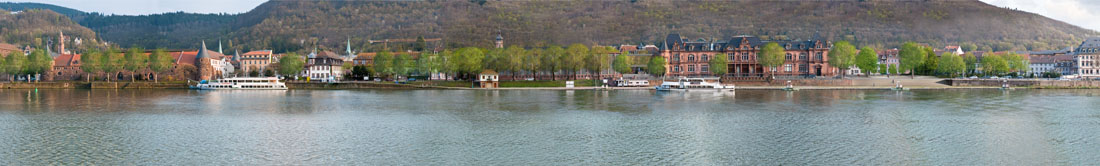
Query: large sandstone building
{"x": 689, "y": 58}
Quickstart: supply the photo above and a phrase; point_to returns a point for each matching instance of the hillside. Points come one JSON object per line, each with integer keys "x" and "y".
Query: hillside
{"x": 37, "y": 27}
{"x": 292, "y": 25}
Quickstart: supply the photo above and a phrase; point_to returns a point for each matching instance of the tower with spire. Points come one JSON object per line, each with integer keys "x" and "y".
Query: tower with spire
{"x": 202, "y": 62}
{"x": 220, "y": 47}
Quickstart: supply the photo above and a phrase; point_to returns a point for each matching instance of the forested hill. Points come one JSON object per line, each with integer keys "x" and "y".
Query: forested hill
{"x": 290, "y": 25}
{"x": 38, "y": 27}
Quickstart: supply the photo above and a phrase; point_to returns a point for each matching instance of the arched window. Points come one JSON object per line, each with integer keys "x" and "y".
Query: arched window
{"x": 676, "y": 58}
{"x": 820, "y": 57}
{"x": 731, "y": 57}
{"x": 802, "y": 56}
{"x": 788, "y": 57}
{"x": 691, "y": 58}
{"x": 705, "y": 58}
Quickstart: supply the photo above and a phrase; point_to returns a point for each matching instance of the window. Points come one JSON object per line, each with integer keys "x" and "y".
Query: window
{"x": 820, "y": 57}
{"x": 705, "y": 58}
{"x": 745, "y": 57}
{"x": 705, "y": 68}
{"x": 732, "y": 57}
{"x": 691, "y": 58}
{"x": 676, "y": 68}
{"x": 691, "y": 68}
{"x": 802, "y": 68}
{"x": 802, "y": 56}
{"x": 676, "y": 58}
{"x": 787, "y": 67}
{"x": 788, "y": 57}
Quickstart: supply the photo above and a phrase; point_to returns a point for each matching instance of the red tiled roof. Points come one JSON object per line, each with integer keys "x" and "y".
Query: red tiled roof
{"x": 260, "y": 52}
{"x": 67, "y": 60}
{"x": 6, "y": 46}
{"x": 185, "y": 57}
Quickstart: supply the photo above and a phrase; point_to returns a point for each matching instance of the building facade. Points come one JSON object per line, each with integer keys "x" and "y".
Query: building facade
{"x": 256, "y": 60}
{"x": 325, "y": 66}
{"x": 1085, "y": 58}
{"x": 803, "y": 58}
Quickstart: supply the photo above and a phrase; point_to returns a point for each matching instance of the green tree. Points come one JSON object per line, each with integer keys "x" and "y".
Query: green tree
{"x": 513, "y": 60}
{"x": 656, "y": 66}
{"x": 159, "y": 61}
{"x": 90, "y": 63}
{"x": 771, "y": 56}
{"x": 4, "y": 63}
{"x": 994, "y": 65}
{"x": 867, "y": 60}
{"x": 134, "y": 61}
{"x": 38, "y": 62}
{"x": 420, "y": 44}
{"x": 467, "y": 61}
{"x": 598, "y": 60}
{"x": 573, "y": 60}
{"x": 402, "y": 64}
{"x": 551, "y": 60}
{"x": 621, "y": 64}
{"x": 383, "y": 64}
{"x": 883, "y": 69}
{"x": 291, "y": 64}
{"x": 950, "y": 65}
{"x": 532, "y": 61}
{"x": 718, "y": 66}
{"x": 1017, "y": 63}
{"x": 893, "y": 68}
{"x": 911, "y": 57}
{"x": 842, "y": 56}
{"x": 971, "y": 63}
{"x": 13, "y": 65}
{"x": 429, "y": 63}
{"x": 931, "y": 61}
{"x": 110, "y": 63}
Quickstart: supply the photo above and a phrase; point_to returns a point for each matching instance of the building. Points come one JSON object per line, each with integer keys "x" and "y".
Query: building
{"x": 500, "y": 41}
{"x": 889, "y": 58}
{"x": 324, "y": 66}
{"x": 1085, "y": 58}
{"x": 488, "y": 79}
{"x": 209, "y": 64}
{"x": 1047, "y": 61}
{"x": 687, "y": 58}
{"x": 257, "y": 60}
{"x": 6, "y": 49}
{"x": 953, "y": 49}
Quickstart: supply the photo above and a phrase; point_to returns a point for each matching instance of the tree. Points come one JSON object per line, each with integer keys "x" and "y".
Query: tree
{"x": 867, "y": 60}
{"x": 4, "y": 61}
{"x": 468, "y": 61}
{"x": 551, "y": 60}
{"x": 771, "y": 56}
{"x": 621, "y": 64}
{"x": 718, "y": 65}
{"x": 134, "y": 61}
{"x": 383, "y": 64}
{"x": 911, "y": 56}
{"x": 513, "y": 59}
{"x": 291, "y": 64}
{"x": 597, "y": 60}
{"x": 36, "y": 63}
{"x": 1017, "y": 63}
{"x": 656, "y": 66}
{"x": 90, "y": 63}
{"x": 950, "y": 65}
{"x": 110, "y": 63}
{"x": 420, "y": 44}
{"x": 893, "y": 68}
{"x": 254, "y": 73}
{"x": 971, "y": 63}
{"x": 883, "y": 69}
{"x": 994, "y": 65}
{"x": 159, "y": 61}
{"x": 532, "y": 61}
{"x": 842, "y": 56}
{"x": 269, "y": 72}
{"x": 402, "y": 64}
{"x": 13, "y": 64}
{"x": 931, "y": 61}
{"x": 573, "y": 60}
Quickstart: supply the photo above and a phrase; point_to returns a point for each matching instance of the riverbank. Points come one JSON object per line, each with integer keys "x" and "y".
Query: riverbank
{"x": 93, "y": 85}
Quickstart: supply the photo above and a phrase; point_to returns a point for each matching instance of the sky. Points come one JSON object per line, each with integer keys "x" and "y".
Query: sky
{"x": 1083, "y": 13}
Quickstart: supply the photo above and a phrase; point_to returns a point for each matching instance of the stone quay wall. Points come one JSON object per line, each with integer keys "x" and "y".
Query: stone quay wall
{"x": 1028, "y": 83}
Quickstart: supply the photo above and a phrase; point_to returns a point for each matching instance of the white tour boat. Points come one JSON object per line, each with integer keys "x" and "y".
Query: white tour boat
{"x": 262, "y": 83}
{"x": 693, "y": 84}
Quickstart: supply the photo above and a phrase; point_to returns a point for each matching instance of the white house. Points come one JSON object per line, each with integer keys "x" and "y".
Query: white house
{"x": 324, "y": 66}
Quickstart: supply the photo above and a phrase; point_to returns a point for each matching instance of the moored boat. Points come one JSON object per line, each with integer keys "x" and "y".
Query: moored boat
{"x": 257, "y": 83}
{"x": 693, "y": 84}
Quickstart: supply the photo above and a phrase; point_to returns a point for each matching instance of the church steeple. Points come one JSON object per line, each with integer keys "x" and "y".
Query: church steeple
{"x": 349, "y": 47}
{"x": 220, "y": 47}
{"x": 500, "y": 40}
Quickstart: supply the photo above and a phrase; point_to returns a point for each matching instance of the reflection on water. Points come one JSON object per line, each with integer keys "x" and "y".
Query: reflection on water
{"x": 514, "y": 127}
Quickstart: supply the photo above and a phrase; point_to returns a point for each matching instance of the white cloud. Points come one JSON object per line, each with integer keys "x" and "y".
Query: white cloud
{"x": 1083, "y": 13}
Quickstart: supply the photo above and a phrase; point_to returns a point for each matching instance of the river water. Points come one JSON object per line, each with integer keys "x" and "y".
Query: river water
{"x": 544, "y": 127}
